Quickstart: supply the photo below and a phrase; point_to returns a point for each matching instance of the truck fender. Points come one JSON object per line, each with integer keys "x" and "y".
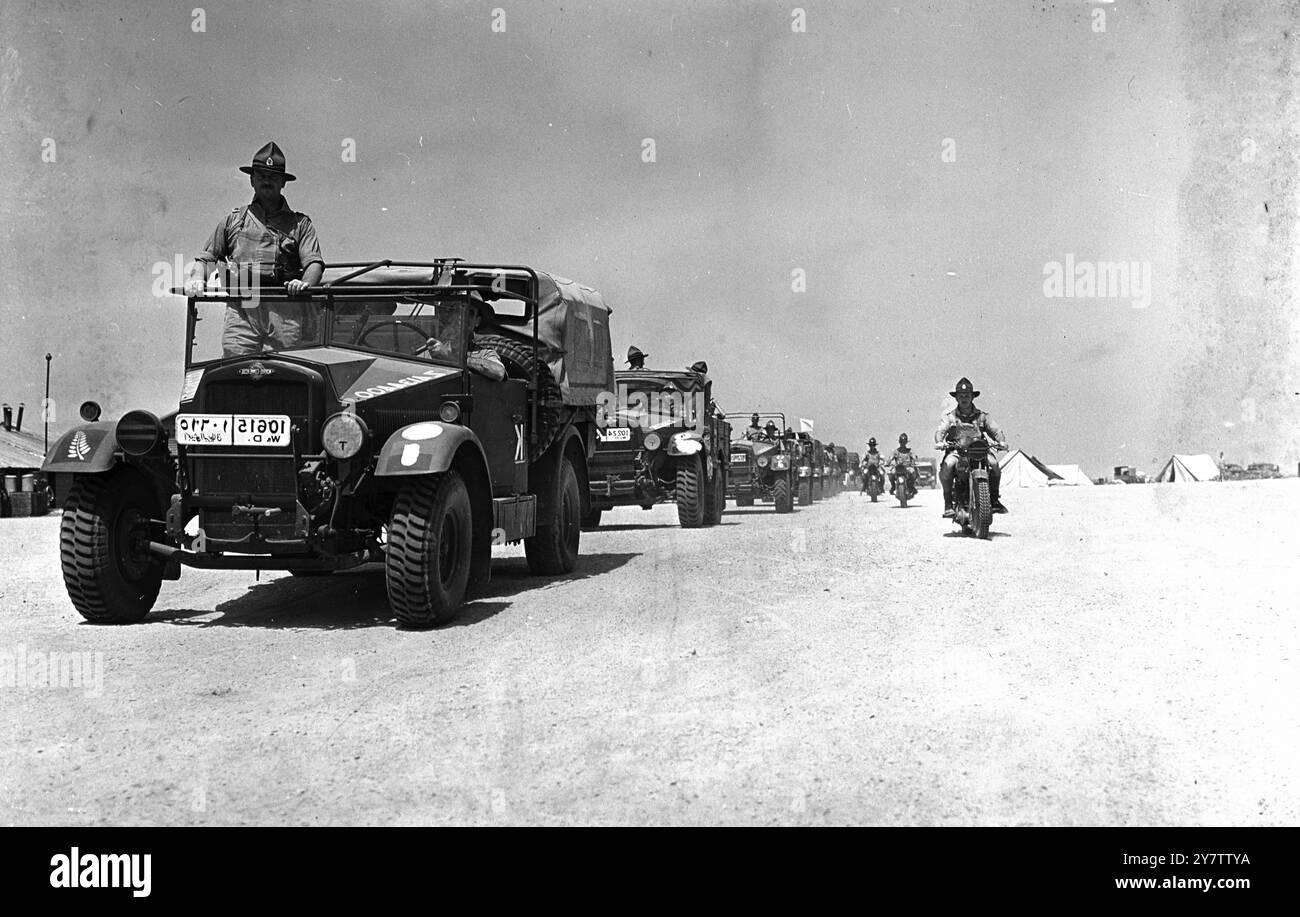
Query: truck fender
{"x": 423, "y": 448}
{"x": 88, "y": 449}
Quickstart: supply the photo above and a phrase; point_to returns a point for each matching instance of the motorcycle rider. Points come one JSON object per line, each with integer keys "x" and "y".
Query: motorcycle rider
{"x": 870, "y": 463}
{"x": 904, "y": 458}
{"x": 966, "y": 412}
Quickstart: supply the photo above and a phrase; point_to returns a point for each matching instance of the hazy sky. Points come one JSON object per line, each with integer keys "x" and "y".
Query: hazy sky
{"x": 775, "y": 151}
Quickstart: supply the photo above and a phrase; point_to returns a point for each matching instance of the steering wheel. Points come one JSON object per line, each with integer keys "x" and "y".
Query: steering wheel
{"x": 361, "y": 338}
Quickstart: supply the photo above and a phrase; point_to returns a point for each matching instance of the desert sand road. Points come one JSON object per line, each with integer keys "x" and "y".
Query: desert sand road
{"x": 1113, "y": 656}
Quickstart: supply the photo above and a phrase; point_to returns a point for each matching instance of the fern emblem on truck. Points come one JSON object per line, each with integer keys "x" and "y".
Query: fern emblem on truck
{"x": 79, "y": 447}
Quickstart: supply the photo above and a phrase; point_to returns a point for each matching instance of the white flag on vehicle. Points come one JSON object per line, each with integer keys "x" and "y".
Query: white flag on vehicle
{"x": 805, "y": 425}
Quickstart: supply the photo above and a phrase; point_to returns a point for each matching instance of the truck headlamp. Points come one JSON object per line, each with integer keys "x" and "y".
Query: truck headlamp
{"x": 344, "y": 436}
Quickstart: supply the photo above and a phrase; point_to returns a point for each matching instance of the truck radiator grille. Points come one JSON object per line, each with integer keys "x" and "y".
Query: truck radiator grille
{"x": 255, "y": 477}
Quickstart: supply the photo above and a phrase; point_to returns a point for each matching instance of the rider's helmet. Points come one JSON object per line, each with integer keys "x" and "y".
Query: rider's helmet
{"x": 770, "y": 429}
{"x": 902, "y": 439}
{"x": 872, "y": 441}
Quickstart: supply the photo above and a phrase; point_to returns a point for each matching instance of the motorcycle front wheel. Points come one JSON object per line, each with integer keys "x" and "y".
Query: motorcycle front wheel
{"x": 981, "y": 509}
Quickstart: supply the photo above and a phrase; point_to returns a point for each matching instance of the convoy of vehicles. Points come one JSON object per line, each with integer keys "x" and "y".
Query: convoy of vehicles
{"x": 378, "y": 435}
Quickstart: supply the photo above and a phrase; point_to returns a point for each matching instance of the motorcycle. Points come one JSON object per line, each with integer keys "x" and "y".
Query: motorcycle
{"x": 972, "y": 502}
{"x": 873, "y": 481}
{"x": 904, "y": 490}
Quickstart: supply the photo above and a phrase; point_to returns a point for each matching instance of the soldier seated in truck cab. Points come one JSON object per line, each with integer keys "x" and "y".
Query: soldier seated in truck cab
{"x": 480, "y": 358}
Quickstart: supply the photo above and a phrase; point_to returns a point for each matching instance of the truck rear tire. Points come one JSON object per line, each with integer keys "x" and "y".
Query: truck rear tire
{"x": 690, "y": 493}
{"x": 715, "y": 497}
{"x": 805, "y": 493}
{"x": 430, "y": 535}
{"x": 111, "y": 578}
{"x": 553, "y": 550}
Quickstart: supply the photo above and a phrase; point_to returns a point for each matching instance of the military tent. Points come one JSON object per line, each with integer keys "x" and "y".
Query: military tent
{"x": 1071, "y": 474}
{"x": 1182, "y": 469}
{"x": 1019, "y": 469}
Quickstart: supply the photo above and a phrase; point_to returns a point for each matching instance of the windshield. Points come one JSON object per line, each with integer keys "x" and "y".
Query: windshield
{"x": 228, "y": 329}
{"x": 421, "y": 327}
{"x": 415, "y": 326}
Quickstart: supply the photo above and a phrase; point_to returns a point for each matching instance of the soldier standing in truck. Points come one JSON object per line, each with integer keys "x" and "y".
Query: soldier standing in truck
{"x": 275, "y": 247}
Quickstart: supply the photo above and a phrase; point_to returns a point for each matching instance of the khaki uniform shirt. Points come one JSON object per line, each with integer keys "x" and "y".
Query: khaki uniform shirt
{"x": 903, "y": 457}
{"x": 976, "y": 417}
{"x": 279, "y": 245}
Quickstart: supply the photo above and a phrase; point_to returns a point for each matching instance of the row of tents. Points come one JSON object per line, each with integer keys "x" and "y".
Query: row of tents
{"x": 1020, "y": 469}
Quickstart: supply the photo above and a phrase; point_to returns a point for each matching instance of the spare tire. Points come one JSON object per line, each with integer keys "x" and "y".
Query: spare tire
{"x": 520, "y": 359}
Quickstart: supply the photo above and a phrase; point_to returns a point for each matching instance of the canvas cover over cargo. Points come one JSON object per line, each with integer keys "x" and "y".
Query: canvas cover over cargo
{"x": 572, "y": 320}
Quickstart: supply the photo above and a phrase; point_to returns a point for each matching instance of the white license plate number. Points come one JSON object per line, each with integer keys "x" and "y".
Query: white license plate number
{"x": 738, "y": 458}
{"x": 258, "y": 430}
{"x": 615, "y": 435}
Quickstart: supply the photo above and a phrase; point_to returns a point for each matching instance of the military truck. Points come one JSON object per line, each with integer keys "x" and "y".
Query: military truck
{"x": 841, "y": 465}
{"x": 833, "y": 473}
{"x": 377, "y": 436}
{"x": 661, "y": 439}
{"x": 811, "y": 470}
{"x": 853, "y": 461}
{"x": 762, "y": 464}
{"x": 927, "y": 473}
{"x": 1127, "y": 474}
{"x": 830, "y": 479}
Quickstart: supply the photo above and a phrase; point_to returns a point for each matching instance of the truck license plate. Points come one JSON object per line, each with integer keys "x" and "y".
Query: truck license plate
{"x": 232, "y": 429}
{"x": 615, "y": 435}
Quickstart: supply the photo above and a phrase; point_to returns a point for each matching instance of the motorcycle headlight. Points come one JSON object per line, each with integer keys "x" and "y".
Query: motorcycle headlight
{"x": 651, "y": 441}
{"x": 762, "y": 462}
{"x": 684, "y": 444}
{"x": 344, "y": 435}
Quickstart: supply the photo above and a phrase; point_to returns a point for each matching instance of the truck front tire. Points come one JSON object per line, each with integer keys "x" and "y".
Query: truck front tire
{"x": 111, "y": 576}
{"x": 429, "y": 541}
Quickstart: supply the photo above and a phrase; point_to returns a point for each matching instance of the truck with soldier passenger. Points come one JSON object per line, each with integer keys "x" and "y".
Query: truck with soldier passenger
{"x": 381, "y": 435}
